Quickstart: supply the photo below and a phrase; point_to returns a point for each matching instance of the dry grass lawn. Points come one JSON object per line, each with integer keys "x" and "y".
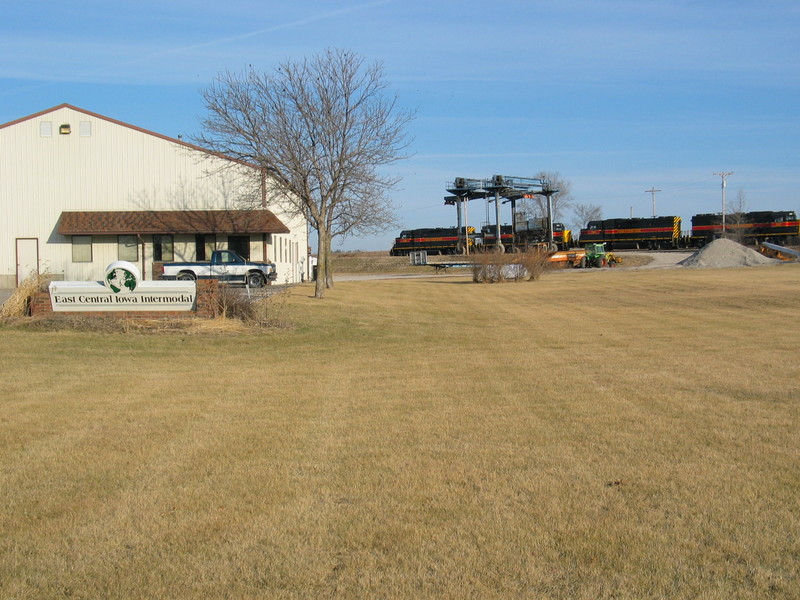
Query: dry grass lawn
{"x": 371, "y": 262}
{"x": 595, "y": 434}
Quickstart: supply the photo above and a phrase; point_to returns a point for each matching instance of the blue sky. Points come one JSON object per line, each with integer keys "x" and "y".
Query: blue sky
{"x": 616, "y": 96}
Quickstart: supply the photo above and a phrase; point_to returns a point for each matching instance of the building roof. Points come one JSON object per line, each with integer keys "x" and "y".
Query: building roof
{"x": 110, "y": 222}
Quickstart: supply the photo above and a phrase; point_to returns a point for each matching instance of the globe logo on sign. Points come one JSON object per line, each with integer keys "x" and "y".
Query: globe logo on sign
{"x": 121, "y": 281}
{"x": 122, "y": 277}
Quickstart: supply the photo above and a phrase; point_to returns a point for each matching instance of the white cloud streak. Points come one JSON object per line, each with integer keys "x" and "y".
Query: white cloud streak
{"x": 53, "y": 58}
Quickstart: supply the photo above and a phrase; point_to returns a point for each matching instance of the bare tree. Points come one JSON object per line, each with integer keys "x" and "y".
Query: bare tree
{"x": 562, "y": 199}
{"x": 319, "y": 129}
{"x": 583, "y": 213}
{"x": 736, "y": 221}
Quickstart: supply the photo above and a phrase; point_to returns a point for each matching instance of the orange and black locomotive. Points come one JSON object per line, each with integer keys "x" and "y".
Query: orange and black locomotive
{"x": 653, "y": 233}
{"x": 781, "y": 227}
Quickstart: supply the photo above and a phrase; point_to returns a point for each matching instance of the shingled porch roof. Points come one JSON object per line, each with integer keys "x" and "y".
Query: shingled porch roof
{"x": 121, "y": 222}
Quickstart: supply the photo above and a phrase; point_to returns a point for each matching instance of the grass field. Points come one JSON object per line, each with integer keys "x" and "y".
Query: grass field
{"x": 595, "y": 434}
{"x": 371, "y": 262}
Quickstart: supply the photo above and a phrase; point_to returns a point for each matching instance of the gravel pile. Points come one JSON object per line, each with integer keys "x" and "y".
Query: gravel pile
{"x": 726, "y": 253}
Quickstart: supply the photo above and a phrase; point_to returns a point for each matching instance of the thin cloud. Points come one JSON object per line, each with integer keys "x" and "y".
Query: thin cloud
{"x": 250, "y": 34}
{"x": 70, "y": 52}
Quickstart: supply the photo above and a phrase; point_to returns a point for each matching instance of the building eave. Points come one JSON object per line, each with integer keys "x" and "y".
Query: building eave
{"x": 148, "y": 222}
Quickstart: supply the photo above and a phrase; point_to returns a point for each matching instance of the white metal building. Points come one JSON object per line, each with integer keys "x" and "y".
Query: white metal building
{"x": 79, "y": 191}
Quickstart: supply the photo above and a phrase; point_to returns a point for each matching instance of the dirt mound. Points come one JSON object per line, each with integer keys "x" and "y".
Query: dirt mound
{"x": 726, "y": 253}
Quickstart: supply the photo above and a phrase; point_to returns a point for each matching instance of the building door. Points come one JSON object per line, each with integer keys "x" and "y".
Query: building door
{"x": 27, "y": 257}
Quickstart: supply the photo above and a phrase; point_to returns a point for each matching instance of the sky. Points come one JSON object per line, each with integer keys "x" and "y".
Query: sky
{"x": 617, "y": 97}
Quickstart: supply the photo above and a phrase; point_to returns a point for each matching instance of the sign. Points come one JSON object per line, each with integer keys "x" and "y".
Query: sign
{"x": 122, "y": 288}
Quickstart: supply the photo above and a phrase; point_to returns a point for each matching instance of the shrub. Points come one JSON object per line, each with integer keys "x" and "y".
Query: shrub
{"x": 231, "y": 304}
{"x": 487, "y": 266}
{"x": 19, "y": 303}
{"x": 261, "y": 310}
{"x": 494, "y": 267}
{"x": 534, "y": 262}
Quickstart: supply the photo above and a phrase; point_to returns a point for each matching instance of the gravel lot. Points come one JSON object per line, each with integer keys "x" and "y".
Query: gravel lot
{"x": 659, "y": 260}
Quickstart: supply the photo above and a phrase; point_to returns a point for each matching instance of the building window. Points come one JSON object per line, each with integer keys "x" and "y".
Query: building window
{"x": 46, "y": 128}
{"x": 85, "y": 129}
{"x": 163, "y": 248}
{"x": 81, "y": 248}
{"x": 127, "y": 248}
{"x": 200, "y": 247}
{"x": 240, "y": 244}
{"x": 204, "y": 246}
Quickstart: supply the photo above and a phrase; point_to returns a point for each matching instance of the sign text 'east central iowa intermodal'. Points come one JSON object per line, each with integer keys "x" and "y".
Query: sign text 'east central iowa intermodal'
{"x": 122, "y": 288}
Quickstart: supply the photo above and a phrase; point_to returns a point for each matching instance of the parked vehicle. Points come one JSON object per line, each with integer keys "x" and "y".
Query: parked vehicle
{"x": 433, "y": 240}
{"x": 663, "y": 233}
{"x": 780, "y": 227}
{"x": 446, "y": 240}
{"x": 638, "y": 233}
{"x": 225, "y": 265}
{"x": 595, "y": 255}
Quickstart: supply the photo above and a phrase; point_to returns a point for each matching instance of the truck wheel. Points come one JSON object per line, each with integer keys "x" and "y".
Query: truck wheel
{"x": 255, "y": 280}
{"x": 185, "y": 276}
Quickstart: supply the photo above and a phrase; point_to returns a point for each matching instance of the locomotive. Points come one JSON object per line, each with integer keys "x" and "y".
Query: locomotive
{"x": 445, "y": 240}
{"x": 781, "y": 227}
{"x": 653, "y": 233}
{"x": 434, "y": 240}
{"x": 637, "y": 233}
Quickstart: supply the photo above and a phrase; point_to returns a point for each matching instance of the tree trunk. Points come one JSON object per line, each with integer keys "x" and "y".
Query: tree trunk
{"x": 328, "y": 271}
{"x": 323, "y": 252}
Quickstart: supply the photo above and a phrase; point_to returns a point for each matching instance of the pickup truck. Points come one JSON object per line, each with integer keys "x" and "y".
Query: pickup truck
{"x": 225, "y": 265}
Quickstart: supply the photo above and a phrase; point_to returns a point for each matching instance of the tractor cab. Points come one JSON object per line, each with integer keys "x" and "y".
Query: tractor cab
{"x": 596, "y": 256}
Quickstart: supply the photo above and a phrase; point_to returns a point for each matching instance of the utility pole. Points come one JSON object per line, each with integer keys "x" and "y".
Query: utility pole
{"x": 724, "y": 183}
{"x": 653, "y": 191}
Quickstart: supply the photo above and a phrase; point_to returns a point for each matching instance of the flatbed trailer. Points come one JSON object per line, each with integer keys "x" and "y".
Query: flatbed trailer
{"x": 443, "y": 267}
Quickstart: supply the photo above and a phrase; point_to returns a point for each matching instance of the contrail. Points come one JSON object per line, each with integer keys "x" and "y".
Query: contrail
{"x": 226, "y": 40}
{"x": 289, "y": 25}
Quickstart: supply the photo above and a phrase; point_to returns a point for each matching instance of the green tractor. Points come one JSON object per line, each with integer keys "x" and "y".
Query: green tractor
{"x": 596, "y": 256}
